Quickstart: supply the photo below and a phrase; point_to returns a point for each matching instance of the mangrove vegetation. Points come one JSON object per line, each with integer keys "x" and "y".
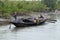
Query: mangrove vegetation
{"x": 7, "y": 7}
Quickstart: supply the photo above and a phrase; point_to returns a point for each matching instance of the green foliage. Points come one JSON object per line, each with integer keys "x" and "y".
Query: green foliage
{"x": 50, "y": 3}
{"x": 7, "y": 7}
{"x": 58, "y": 5}
{"x": 21, "y": 6}
{"x": 1, "y": 4}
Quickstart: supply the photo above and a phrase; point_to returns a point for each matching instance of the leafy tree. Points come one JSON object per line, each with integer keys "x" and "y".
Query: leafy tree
{"x": 58, "y": 5}
{"x": 50, "y": 3}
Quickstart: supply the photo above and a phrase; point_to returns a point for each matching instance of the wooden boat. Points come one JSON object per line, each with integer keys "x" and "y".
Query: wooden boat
{"x": 28, "y": 22}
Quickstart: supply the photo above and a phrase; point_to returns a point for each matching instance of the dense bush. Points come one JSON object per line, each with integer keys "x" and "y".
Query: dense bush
{"x": 7, "y": 7}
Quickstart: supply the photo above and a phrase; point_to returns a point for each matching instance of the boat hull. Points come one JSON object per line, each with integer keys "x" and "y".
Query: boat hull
{"x": 26, "y": 24}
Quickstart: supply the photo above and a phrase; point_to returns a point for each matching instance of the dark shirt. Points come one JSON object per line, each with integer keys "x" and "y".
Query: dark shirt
{"x": 15, "y": 16}
{"x": 41, "y": 17}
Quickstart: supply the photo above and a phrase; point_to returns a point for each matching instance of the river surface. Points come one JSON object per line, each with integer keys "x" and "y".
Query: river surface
{"x": 47, "y": 31}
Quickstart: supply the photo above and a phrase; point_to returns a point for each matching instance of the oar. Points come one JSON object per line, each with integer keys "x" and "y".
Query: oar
{"x": 51, "y": 21}
{"x": 10, "y": 24}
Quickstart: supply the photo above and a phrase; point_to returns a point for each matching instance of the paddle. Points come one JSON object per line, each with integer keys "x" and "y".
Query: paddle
{"x": 10, "y": 23}
{"x": 52, "y": 21}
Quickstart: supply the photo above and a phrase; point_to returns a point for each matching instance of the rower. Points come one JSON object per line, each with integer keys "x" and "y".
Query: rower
{"x": 15, "y": 15}
{"x": 40, "y": 18}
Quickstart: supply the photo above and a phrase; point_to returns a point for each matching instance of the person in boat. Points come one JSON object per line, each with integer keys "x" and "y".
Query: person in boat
{"x": 41, "y": 16}
{"x": 15, "y": 15}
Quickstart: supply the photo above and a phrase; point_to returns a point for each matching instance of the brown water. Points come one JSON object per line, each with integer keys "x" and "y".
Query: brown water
{"x": 48, "y": 31}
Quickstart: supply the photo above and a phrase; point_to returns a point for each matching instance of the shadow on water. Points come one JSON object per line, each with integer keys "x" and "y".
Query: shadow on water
{"x": 20, "y": 28}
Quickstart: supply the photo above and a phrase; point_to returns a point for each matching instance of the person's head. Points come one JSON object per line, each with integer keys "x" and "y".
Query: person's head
{"x": 15, "y": 13}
